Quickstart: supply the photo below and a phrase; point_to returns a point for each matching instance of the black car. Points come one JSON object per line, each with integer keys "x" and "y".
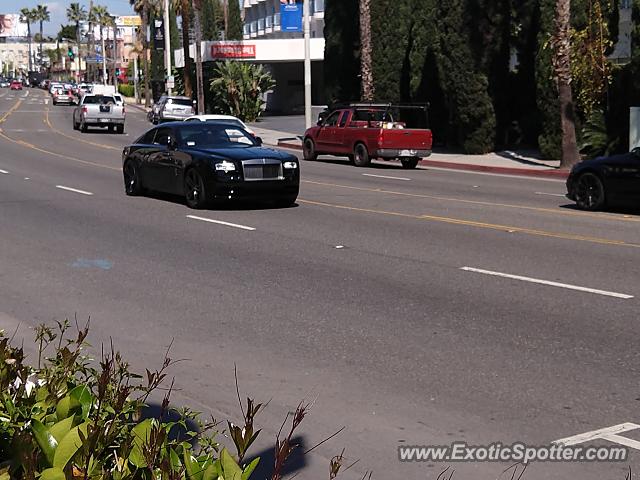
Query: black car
{"x": 606, "y": 182}
{"x": 209, "y": 162}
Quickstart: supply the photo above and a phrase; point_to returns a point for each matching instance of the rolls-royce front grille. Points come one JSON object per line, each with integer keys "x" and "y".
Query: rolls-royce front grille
{"x": 264, "y": 169}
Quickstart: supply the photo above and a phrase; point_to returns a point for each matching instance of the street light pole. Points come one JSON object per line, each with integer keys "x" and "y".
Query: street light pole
{"x": 167, "y": 45}
{"x": 307, "y": 64}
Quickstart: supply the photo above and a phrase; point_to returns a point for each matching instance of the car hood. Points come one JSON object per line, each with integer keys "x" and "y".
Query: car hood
{"x": 240, "y": 153}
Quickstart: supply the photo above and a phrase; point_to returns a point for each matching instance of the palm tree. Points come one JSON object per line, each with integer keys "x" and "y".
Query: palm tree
{"x": 43, "y": 15}
{"x": 101, "y": 16}
{"x": 561, "y": 42}
{"x": 197, "y": 5}
{"x": 91, "y": 18}
{"x": 76, "y": 14}
{"x": 143, "y": 8}
{"x": 28, "y": 16}
{"x": 366, "y": 63}
{"x": 183, "y": 8}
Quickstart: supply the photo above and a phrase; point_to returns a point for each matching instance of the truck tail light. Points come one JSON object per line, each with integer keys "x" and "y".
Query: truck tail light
{"x": 85, "y": 110}
{"x": 380, "y": 137}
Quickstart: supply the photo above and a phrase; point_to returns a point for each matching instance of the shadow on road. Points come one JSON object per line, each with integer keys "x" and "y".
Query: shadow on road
{"x": 220, "y": 206}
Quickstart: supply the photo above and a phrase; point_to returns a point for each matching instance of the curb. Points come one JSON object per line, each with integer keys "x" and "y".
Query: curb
{"x": 136, "y": 106}
{"x": 524, "y": 172}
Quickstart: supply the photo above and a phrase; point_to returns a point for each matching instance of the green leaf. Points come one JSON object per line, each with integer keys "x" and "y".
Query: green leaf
{"x": 212, "y": 472}
{"x": 52, "y": 474}
{"x": 69, "y": 446}
{"x": 60, "y": 429}
{"x": 194, "y": 472}
{"x": 141, "y": 433}
{"x": 46, "y": 441}
{"x": 248, "y": 470}
{"x": 67, "y": 407}
{"x": 83, "y": 396}
{"x": 230, "y": 467}
{"x": 174, "y": 459}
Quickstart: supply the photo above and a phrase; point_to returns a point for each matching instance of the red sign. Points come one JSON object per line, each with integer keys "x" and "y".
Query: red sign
{"x": 233, "y": 51}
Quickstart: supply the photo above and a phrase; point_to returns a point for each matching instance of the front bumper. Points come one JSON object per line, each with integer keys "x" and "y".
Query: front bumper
{"x": 228, "y": 187}
{"x": 400, "y": 152}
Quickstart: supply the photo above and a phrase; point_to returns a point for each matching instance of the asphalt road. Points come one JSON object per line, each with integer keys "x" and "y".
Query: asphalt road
{"x": 356, "y": 299}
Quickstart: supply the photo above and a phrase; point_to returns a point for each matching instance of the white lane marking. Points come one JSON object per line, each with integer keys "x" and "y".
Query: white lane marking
{"x": 4, "y": 172}
{"x": 26, "y": 94}
{"x": 26, "y": 178}
{"x": 75, "y": 190}
{"x": 220, "y": 222}
{"x": 608, "y": 433}
{"x": 548, "y": 283}
{"x": 386, "y": 176}
{"x": 550, "y": 194}
{"x": 46, "y": 101}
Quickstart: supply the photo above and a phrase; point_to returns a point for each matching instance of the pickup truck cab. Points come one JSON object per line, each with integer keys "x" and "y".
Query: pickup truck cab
{"x": 99, "y": 111}
{"x": 362, "y": 133}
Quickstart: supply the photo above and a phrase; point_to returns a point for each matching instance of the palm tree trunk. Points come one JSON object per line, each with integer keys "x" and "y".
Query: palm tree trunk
{"x": 29, "y": 40}
{"x": 366, "y": 63}
{"x": 145, "y": 57}
{"x": 186, "y": 73}
{"x": 41, "y": 22}
{"x": 78, "y": 46}
{"x": 90, "y": 45}
{"x": 562, "y": 67}
{"x": 199, "y": 76}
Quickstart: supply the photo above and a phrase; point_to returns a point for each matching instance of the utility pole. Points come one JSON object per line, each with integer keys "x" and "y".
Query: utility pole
{"x": 135, "y": 79}
{"x": 167, "y": 47}
{"x": 307, "y": 64}
{"x": 104, "y": 57}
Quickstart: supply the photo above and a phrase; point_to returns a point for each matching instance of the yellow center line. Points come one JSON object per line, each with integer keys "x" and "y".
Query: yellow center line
{"x": 476, "y": 202}
{"x": 99, "y": 145}
{"x": 472, "y": 223}
{"x": 10, "y": 111}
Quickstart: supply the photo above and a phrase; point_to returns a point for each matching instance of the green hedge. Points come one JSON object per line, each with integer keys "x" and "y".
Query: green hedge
{"x": 126, "y": 90}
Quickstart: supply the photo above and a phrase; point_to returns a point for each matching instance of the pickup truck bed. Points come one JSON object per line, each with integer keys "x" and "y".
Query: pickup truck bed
{"x": 99, "y": 111}
{"x": 345, "y": 133}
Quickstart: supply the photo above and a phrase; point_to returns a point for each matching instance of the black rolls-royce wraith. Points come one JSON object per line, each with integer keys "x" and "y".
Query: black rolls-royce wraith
{"x": 208, "y": 162}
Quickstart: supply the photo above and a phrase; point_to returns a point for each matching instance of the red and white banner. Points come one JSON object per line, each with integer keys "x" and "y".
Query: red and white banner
{"x": 233, "y": 50}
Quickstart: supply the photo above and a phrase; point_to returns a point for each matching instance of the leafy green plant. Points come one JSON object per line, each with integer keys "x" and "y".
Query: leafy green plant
{"x": 72, "y": 418}
{"x": 126, "y": 89}
{"x": 596, "y": 140}
{"x": 239, "y": 88}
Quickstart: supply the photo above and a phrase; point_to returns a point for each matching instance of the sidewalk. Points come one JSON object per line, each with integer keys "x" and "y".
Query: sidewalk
{"x": 506, "y": 162}
{"x": 131, "y": 102}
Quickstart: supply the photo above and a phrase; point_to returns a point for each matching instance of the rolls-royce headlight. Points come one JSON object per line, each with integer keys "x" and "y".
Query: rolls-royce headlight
{"x": 290, "y": 165}
{"x": 225, "y": 167}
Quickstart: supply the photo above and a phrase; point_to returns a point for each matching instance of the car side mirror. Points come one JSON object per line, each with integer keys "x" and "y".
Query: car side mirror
{"x": 259, "y": 140}
{"x": 319, "y": 122}
{"x": 636, "y": 152}
{"x": 171, "y": 144}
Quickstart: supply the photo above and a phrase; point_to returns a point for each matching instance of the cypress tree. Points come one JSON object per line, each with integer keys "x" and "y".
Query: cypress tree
{"x": 210, "y": 20}
{"x": 472, "y": 120}
{"x": 342, "y": 43}
{"x": 235, "y": 21}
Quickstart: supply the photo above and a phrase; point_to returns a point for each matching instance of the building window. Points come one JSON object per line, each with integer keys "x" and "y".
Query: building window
{"x": 261, "y": 24}
{"x": 269, "y": 21}
{"x": 318, "y": 6}
{"x": 276, "y": 19}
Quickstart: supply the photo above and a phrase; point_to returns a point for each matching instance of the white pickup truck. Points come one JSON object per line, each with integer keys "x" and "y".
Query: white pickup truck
{"x": 98, "y": 111}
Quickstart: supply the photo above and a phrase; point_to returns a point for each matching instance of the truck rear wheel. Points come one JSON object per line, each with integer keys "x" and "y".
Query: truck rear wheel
{"x": 361, "y": 155}
{"x": 409, "y": 163}
{"x": 309, "y": 150}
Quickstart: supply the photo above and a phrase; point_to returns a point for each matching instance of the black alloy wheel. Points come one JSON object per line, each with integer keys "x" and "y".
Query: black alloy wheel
{"x": 309, "y": 150}
{"x": 194, "y": 189}
{"x": 409, "y": 163}
{"x": 361, "y": 156}
{"x": 132, "y": 184}
{"x": 589, "y": 192}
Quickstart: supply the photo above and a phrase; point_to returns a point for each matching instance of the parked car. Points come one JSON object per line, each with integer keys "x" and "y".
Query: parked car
{"x": 363, "y": 132}
{"x": 171, "y": 108}
{"x": 606, "y": 182}
{"x": 207, "y": 162}
{"x": 16, "y": 85}
{"x": 63, "y": 96}
{"x": 230, "y": 119}
{"x": 4, "y": 83}
{"x": 99, "y": 111}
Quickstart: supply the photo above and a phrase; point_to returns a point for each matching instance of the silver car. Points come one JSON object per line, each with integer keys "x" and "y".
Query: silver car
{"x": 169, "y": 109}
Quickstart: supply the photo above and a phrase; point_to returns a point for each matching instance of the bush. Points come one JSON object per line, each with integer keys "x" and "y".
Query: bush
{"x": 70, "y": 418}
{"x": 126, "y": 90}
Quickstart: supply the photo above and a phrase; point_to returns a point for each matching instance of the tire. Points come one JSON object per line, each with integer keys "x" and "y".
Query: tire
{"x": 361, "y": 155}
{"x": 409, "y": 163}
{"x": 83, "y": 127}
{"x": 110, "y": 128}
{"x": 589, "y": 192}
{"x": 55, "y": 103}
{"x": 132, "y": 182}
{"x": 309, "y": 150}
{"x": 75, "y": 125}
{"x": 286, "y": 202}
{"x": 194, "y": 189}
{"x": 120, "y": 129}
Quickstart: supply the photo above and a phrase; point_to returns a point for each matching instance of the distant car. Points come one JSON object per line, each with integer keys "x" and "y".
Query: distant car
{"x": 220, "y": 119}
{"x": 171, "y": 108}
{"x": 16, "y": 85}
{"x": 606, "y": 182}
{"x": 4, "y": 83}
{"x": 63, "y": 96}
{"x": 207, "y": 162}
{"x": 53, "y": 86}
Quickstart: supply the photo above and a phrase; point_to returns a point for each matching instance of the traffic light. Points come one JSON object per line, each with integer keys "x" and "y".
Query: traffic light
{"x": 70, "y": 53}
{"x": 117, "y": 72}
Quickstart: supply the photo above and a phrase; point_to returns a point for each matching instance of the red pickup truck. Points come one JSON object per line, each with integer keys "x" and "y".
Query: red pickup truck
{"x": 362, "y": 133}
